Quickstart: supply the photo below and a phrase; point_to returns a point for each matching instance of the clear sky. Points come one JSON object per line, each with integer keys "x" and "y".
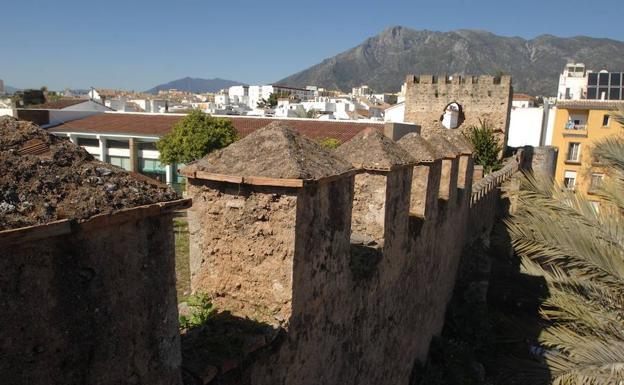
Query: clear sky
{"x": 136, "y": 44}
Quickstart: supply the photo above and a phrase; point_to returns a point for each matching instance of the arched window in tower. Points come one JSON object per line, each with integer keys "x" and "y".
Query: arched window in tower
{"x": 453, "y": 115}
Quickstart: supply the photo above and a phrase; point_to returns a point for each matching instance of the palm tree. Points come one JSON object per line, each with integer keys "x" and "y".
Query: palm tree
{"x": 579, "y": 251}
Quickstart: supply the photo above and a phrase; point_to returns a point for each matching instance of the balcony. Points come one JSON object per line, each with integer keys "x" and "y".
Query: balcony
{"x": 576, "y": 130}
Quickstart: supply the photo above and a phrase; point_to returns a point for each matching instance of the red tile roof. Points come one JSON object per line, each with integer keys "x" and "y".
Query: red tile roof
{"x": 160, "y": 124}
{"x": 57, "y": 105}
{"x": 587, "y": 104}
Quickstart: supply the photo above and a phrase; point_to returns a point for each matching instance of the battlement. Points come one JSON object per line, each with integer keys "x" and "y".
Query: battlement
{"x": 504, "y": 80}
{"x": 344, "y": 250}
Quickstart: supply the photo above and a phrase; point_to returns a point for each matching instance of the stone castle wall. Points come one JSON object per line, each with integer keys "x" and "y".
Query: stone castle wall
{"x": 90, "y": 303}
{"x": 481, "y": 97}
{"x": 370, "y": 279}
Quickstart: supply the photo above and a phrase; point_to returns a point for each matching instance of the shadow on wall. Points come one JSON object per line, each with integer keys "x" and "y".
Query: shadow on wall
{"x": 492, "y": 323}
{"x": 220, "y": 350}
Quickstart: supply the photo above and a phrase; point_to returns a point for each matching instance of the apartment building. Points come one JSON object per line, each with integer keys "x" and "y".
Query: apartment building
{"x": 579, "y": 125}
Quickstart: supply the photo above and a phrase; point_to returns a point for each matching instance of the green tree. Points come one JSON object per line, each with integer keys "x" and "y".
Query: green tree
{"x": 194, "y": 136}
{"x": 579, "y": 251}
{"x": 487, "y": 147}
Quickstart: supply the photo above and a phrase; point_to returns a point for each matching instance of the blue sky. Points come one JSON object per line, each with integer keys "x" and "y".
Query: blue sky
{"x": 136, "y": 44}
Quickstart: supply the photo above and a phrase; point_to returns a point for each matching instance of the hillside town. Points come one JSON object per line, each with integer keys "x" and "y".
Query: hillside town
{"x": 435, "y": 206}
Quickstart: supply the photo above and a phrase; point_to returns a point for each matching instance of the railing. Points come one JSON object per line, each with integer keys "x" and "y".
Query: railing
{"x": 576, "y": 127}
{"x": 493, "y": 180}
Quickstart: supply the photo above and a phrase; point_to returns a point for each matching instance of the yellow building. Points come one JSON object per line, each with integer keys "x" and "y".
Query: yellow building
{"x": 579, "y": 125}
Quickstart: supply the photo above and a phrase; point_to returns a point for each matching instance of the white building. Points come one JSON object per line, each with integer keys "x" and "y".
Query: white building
{"x": 362, "y": 90}
{"x": 573, "y": 82}
{"x": 531, "y": 126}
{"x": 395, "y": 114}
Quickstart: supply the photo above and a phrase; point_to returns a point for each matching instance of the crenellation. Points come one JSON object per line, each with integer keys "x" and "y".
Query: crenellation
{"x": 482, "y": 97}
{"x": 331, "y": 260}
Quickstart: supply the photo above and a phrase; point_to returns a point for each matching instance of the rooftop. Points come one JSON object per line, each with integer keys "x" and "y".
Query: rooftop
{"x": 590, "y": 104}
{"x": 459, "y": 140}
{"x": 275, "y": 151}
{"x": 441, "y": 146}
{"x": 160, "y": 124}
{"x": 46, "y": 178}
{"x": 417, "y": 147}
{"x": 57, "y": 105}
{"x": 372, "y": 150}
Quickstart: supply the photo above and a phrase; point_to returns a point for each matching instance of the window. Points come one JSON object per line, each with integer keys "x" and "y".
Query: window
{"x": 147, "y": 145}
{"x": 615, "y": 79}
{"x": 110, "y": 143}
{"x": 615, "y": 93}
{"x": 88, "y": 142}
{"x": 603, "y": 79}
{"x": 574, "y": 152}
{"x": 592, "y": 79}
{"x": 119, "y": 161}
{"x": 605, "y": 120}
{"x": 592, "y": 93}
{"x": 596, "y": 181}
{"x": 569, "y": 180}
{"x": 603, "y": 93}
{"x": 153, "y": 168}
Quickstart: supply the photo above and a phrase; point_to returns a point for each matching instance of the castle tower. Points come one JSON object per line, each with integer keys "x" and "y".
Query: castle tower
{"x": 265, "y": 211}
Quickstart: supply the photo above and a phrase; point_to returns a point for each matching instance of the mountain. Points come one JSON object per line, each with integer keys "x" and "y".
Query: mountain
{"x": 383, "y": 61}
{"x": 195, "y": 85}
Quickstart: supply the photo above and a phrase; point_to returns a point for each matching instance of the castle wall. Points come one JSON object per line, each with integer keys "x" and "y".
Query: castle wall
{"x": 360, "y": 313}
{"x": 482, "y": 97}
{"x": 90, "y": 303}
{"x": 243, "y": 247}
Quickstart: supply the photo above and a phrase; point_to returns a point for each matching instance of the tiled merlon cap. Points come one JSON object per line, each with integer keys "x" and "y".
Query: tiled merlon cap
{"x": 275, "y": 155}
{"x": 417, "y": 147}
{"x": 459, "y": 140}
{"x": 372, "y": 150}
{"x": 441, "y": 146}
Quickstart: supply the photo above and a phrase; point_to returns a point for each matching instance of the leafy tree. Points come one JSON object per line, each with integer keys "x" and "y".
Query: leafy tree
{"x": 487, "y": 147}
{"x": 194, "y": 136}
{"x": 579, "y": 251}
{"x": 330, "y": 143}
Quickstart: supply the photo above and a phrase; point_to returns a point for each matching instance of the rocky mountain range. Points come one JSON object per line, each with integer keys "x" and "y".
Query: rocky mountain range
{"x": 196, "y": 85}
{"x": 383, "y": 61}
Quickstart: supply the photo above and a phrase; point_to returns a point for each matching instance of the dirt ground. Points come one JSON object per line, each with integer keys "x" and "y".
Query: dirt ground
{"x": 44, "y": 178}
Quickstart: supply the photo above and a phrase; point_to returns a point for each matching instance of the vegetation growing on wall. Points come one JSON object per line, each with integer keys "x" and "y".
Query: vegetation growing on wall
{"x": 330, "y": 143}
{"x": 487, "y": 148}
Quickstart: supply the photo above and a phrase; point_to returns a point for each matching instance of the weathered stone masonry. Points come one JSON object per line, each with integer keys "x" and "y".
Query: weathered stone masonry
{"x": 481, "y": 97}
{"x": 91, "y": 302}
{"x": 358, "y": 282}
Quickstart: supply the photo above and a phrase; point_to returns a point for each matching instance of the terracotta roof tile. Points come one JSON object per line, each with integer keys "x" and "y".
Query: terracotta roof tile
{"x": 590, "y": 104}
{"x": 57, "y": 105}
{"x": 160, "y": 124}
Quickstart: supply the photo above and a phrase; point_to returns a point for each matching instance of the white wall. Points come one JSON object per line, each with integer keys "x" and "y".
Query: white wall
{"x": 395, "y": 114}
{"x": 525, "y": 126}
{"x": 7, "y": 111}
{"x": 550, "y": 126}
